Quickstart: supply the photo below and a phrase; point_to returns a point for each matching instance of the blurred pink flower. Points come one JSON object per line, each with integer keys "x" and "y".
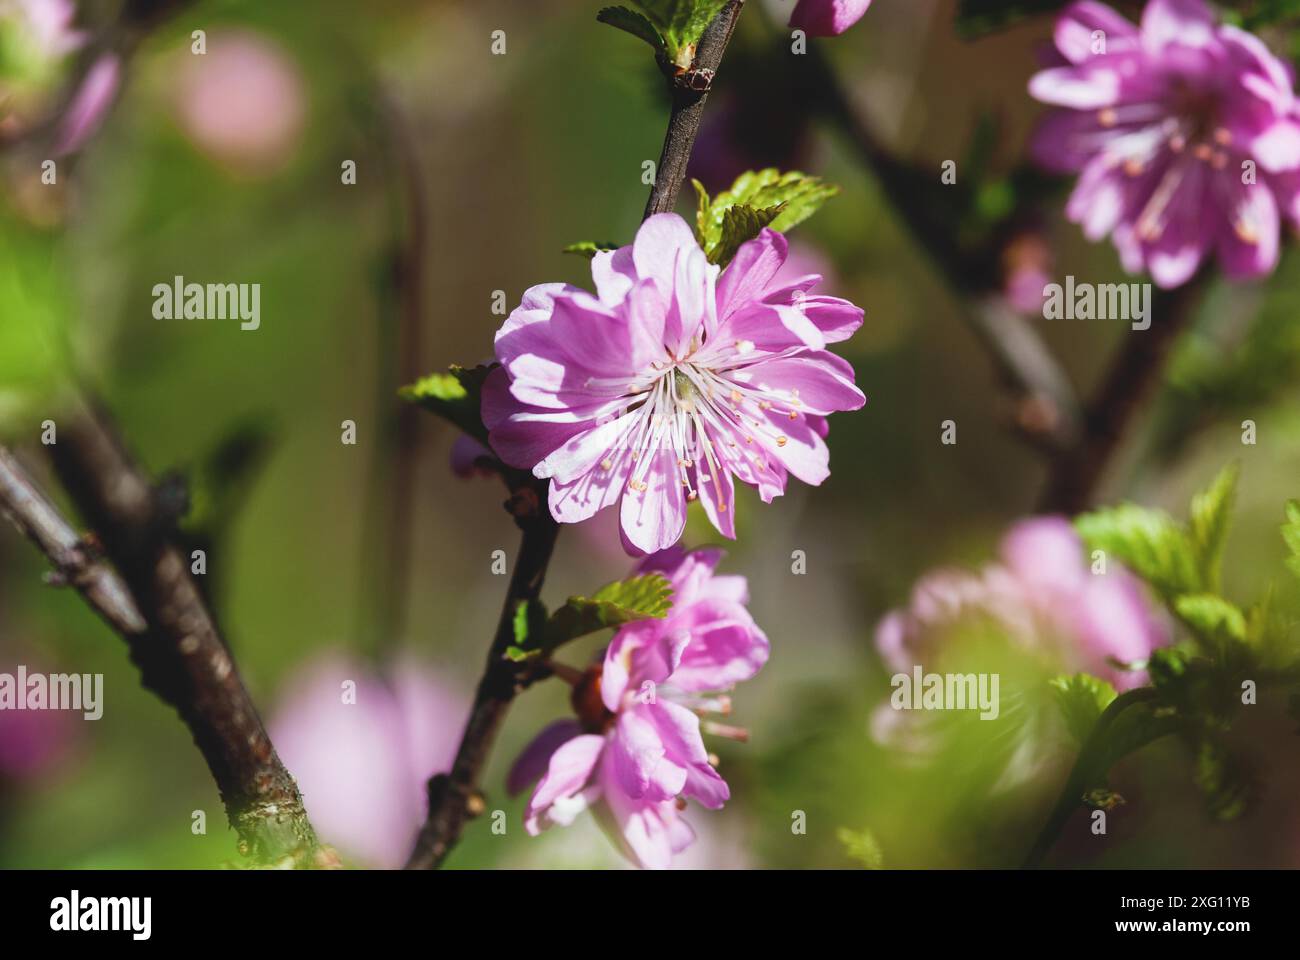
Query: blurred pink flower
{"x": 636, "y": 750}
{"x": 1046, "y": 598}
{"x": 90, "y": 104}
{"x": 35, "y": 742}
{"x": 36, "y": 39}
{"x": 1185, "y": 132}
{"x": 670, "y": 383}
{"x": 49, "y": 24}
{"x": 362, "y": 766}
{"x": 824, "y": 18}
{"x": 243, "y": 102}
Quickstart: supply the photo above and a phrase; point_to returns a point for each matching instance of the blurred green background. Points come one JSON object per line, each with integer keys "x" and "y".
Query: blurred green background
{"x": 517, "y": 156}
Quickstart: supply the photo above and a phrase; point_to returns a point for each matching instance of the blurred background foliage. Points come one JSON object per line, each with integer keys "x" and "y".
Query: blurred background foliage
{"x": 518, "y": 156}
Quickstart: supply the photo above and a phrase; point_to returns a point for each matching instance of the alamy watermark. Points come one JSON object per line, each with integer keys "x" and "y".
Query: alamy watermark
{"x": 53, "y": 691}
{"x": 919, "y": 690}
{"x": 1098, "y": 301}
{"x": 179, "y": 300}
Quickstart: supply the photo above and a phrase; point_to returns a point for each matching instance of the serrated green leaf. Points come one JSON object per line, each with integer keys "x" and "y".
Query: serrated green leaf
{"x": 1081, "y": 699}
{"x": 637, "y": 598}
{"x": 589, "y": 248}
{"x": 740, "y": 223}
{"x": 798, "y": 195}
{"x": 1209, "y": 521}
{"x": 636, "y": 24}
{"x": 1146, "y": 541}
{"x": 456, "y": 396}
{"x": 1214, "y": 620}
{"x": 681, "y": 24}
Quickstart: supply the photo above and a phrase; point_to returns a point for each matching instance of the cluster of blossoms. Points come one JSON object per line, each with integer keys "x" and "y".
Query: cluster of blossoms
{"x": 1185, "y": 133}
{"x": 670, "y": 381}
{"x": 1043, "y": 597}
{"x": 636, "y": 751}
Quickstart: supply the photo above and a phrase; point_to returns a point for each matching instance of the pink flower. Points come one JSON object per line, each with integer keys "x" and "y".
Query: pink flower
{"x": 1185, "y": 134}
{"x": 636, "y": 751}
{"x": 825, "y": 18}
{"x": 1046, "y": 598}
{"x": 669, "y": 382}
{"x": 362, "y": 759}
{"x": 243, "y": 102}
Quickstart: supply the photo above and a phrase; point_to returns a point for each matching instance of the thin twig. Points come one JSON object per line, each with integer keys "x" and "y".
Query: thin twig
{"x": 1134, "y": 372}
{"x": 690, "y": 90}
{"x": 28, "y": 509}
{"x": 181, "y": 656}
{"x": 455, "y": 797}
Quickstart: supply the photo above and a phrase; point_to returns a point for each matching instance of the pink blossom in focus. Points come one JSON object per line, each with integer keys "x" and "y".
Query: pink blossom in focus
{"x": 1184, "y": 132}
{"x": 636, "y": 750}
{"x": 670, "y": 382}
{"x": 243, "y": 102}
{"x": 825, "y": 18}
{"x": 362, "y": 767}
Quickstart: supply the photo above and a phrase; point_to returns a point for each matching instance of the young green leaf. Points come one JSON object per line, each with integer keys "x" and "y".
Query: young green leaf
{"x": 740, "y": 223}
{"x": 623, "y": 601}
{"x": 1210, "y": 519}
{"x": 1148, "y": 542}
{"x": 1214, "y": 620}
{"x": 530, "y": 631}
{"x": 681, "y": 24}
{"x": 862, "y": 846}
{"x": 455, "y": 396}
{"x": 797, "y": 195}
{"x": 589, "y": 248}
{"x": 1081, "y": 699}
{"x": 635, "y": 24}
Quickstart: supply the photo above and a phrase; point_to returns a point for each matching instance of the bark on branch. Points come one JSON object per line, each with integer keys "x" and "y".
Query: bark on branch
{"x": 154, "y": 604}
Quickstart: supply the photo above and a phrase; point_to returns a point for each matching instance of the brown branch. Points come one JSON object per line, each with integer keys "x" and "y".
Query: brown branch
{"x": 690, "y": 89}
{"x": 454, "y": 797}
{"x": 1137, "y": 367}
{"x": 28, "y": 509}
{"x": 1045, "y": 410}
{"x": 179, "y": 652}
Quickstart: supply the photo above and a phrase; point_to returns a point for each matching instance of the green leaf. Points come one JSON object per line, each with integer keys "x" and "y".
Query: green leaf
{"x": 1081, "y": 698}
{"x": 1291, "y": 535}
{"x": 680, "y": 23}
{"x": 529, "y": 629}
{"x": 862, "y": 846}
{"x": 637, "y": 598}
{"x": 635, "y": 24}
{"x": 797, "y": 195}
{"x": 589, "y": 248}
{"x": 1146, "y": 541}
{"x": 1213, "y": 619}
{"x": 456, "y": 396}
{"x": 740, "y": 223}
{"x": 1210, "y": 519}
